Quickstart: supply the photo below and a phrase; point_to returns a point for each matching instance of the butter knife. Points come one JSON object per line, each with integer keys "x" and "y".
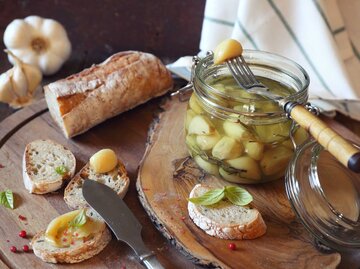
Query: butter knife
{"x": 120, "y": 219}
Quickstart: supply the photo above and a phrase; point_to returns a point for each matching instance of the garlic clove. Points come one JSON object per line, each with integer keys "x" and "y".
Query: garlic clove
{"x": 61, "y": 49}
{"x": 33, "y": 76}
{"x": 19, "y": 81}
{"x": 53, "y": 29}
{"x": 34, "y": 21}
{"x": 26, "y": 56}
{"x": 11, "y": 37}
{"x": 18, "y": 84}
{"x": 7, "y": 95}
{"x": 50, "y": 63}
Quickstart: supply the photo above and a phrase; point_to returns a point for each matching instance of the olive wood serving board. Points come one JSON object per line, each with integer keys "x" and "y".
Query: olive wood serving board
{"x": 166, "y": 177}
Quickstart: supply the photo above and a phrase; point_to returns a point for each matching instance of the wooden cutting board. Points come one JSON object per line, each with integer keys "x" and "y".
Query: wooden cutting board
{"x": 126, "y": 134}
{"x": 166, "y": 177}
{"x": 286, "y": 244}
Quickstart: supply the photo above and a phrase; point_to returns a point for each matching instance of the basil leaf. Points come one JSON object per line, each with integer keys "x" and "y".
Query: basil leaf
{"x": 209, "y": 198}
{"x": 7, "y": 199}
{"x": 10, "y": 198}
{"x": 3, "y": 199}
{"x": 61, "y": 170}
{"x": 79, "y": 220}
{"x": 237, "y": 195}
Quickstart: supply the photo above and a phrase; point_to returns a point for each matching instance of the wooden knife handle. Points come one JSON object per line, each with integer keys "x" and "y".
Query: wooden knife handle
{"x": 340, "y": 148}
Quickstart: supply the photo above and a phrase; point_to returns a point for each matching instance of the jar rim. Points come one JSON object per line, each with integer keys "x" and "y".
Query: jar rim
{"x": 252, "y": 56}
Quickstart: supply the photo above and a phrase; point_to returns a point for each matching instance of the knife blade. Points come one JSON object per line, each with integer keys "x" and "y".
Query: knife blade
{"x": 119, "y": 218}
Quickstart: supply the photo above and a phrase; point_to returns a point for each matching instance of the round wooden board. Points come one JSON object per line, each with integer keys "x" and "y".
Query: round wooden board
{"x": 166, "y": 177}
{"x": 126, "y": 134}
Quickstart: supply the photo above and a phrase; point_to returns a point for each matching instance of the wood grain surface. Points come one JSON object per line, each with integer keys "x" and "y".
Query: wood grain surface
{"x": 165, "y": 179}
{"x": 126, "y": 134}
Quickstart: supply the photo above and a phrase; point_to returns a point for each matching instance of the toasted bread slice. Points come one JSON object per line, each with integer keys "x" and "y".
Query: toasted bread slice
{"x": 226, "y": 220}
{"x": 116, "y": 179}
{"x": 46, "y": 166}
{"x": 79, "y": 251}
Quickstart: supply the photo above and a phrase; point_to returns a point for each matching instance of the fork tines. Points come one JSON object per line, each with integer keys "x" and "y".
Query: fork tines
{"x": 242, "y": 73}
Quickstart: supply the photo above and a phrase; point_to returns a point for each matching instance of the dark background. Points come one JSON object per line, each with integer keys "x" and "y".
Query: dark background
{"x": 97, "y": 29}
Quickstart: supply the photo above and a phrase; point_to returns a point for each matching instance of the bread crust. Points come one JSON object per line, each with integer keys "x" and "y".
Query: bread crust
{"x": 251, "y": 230}
{"x": 120, "y": 83}
{"x": 45, "y": 186}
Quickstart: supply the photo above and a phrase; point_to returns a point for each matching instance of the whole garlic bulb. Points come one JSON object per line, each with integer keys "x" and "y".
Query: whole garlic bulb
{"x": 18, "y": 85}
{"x": 38, "y": 41}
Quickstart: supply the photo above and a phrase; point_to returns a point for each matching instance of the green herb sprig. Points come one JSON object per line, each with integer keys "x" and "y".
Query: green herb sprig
{"x": 7, "y": 199}
{"x": 61, "y": 170}
{"x": 79, "y": 220}
{"x": 236, "y": 195}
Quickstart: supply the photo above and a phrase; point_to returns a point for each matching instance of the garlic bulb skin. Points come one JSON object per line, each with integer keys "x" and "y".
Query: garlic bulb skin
{"x": 19, "y": 81}
{"x": 18, "y": 85}
{"x": 7, "y": 95}
{"x": 38, "y": 41}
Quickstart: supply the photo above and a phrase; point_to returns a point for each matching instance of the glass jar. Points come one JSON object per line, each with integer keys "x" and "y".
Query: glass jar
{"x": 325, "y": 196}
{"x": 242, "y": 137}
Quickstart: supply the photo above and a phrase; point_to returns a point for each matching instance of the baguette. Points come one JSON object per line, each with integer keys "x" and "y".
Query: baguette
{"x": 116, "y": 179}
{"x": 41, "y": 160}
{"x": 120, "y": 83}
{"x": 77, "y": 252}
{"x": 226, "y": 220}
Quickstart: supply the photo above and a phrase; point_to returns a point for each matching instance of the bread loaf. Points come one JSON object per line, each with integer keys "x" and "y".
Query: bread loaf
{"x": 102, "y": 91}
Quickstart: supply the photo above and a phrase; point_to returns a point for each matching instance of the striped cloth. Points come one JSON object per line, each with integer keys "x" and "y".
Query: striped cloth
{"x": 310, "y": 32}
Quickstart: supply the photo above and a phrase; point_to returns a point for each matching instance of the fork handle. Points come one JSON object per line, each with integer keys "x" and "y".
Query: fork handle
{"x": 340, "y": 148}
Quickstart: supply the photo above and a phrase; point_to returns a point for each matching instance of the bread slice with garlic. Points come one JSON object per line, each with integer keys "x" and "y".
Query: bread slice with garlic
{"x": 60, "y": 244}
{"x": 46, "y": 166}
{"x": 224, "y": 219}
{"x": 116, "y": 178}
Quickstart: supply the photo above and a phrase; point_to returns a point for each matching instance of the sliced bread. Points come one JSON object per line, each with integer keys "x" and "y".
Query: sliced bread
{"x": 116, "y": 179}
{"x": 46, "y": 166}
{"x": 79, "y": 251}
{"x": 224, "y": 219}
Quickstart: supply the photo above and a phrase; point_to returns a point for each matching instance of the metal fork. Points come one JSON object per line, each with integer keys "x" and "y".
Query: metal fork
{"x": 242, "y": 73}
{"x": 246, "y": 79}
{"x": 340, "y": 148}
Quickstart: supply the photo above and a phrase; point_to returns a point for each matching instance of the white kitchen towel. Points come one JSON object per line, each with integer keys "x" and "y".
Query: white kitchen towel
{"x": 310, "y": 32}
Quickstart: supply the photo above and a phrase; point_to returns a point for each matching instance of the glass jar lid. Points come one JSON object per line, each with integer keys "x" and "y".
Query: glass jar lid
{"x": 325, "y": 196}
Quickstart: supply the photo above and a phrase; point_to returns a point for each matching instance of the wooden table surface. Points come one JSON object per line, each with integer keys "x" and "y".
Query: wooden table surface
{"x": 166, "y": 28}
